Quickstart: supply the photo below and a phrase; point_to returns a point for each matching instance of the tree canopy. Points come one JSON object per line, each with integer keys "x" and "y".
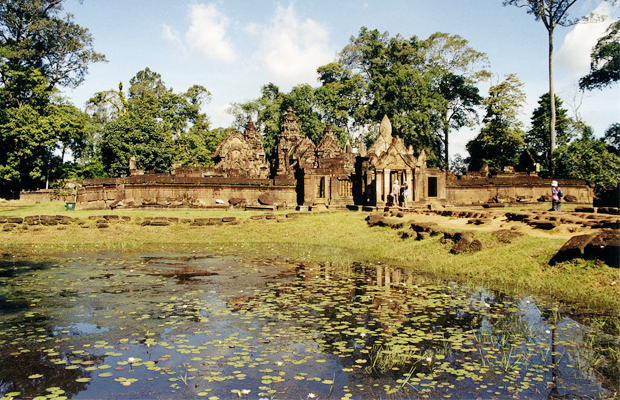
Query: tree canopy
{"x": 552, "y": 13}
{"x": 589, "y": 159}
{"x": 538, "y": 137}
{"x": 153, "y": 124}
{"x": 501, "y": 139}
{"x": 605, "y": 64}
{"x": 40, "y": 50}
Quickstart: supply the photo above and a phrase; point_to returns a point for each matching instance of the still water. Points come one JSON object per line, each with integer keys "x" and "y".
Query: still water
{"x": 190, "y": 325}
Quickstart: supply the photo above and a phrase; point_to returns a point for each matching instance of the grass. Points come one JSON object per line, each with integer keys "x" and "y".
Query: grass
{"x": 518, "y": 268}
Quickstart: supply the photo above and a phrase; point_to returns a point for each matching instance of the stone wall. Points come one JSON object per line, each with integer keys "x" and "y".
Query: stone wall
{"x": 169, "y": 190}
{"x": 44, "y": 195}
{"x": 523, "y": 189}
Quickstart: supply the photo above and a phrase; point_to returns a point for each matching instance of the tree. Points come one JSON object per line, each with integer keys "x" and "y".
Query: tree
{"x": 461, "y": 100}
{"x": 33, "y": 35}
{"x": 136, "y": 135}
{"x": 552, "y": 13}
{"x": 266, "y": 111}
{"x": 165, "y": 117}
{"x": 538, "y": 137}
{"x": 40, "y": 50}
{"x": 501, "y": 139}
{"x": 340, "y": 97}
{"x": 589, "y": 159}
{"x": 605, "y": 64}
{"x": 399, "y": 85}
{"x": 612, "y": 138}
{"x": 461, "y": 67}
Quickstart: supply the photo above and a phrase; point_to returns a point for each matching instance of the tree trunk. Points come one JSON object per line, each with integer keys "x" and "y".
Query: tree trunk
{"x": 446, "y": 128}
{"x": 552, "y": 101}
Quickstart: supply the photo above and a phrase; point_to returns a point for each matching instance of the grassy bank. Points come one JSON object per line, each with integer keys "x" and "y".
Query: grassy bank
{"x": 519, "y": 267}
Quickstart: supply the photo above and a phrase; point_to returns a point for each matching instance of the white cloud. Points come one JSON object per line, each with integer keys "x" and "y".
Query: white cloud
{"x": 207, "y": 32}
{"x": 171, "y": 35}
{"x": 291, "y": 49}
{"x": 574, "y": 54}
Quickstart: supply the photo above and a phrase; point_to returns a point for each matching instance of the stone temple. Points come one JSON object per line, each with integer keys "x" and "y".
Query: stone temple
{"x": 307, "y": 176}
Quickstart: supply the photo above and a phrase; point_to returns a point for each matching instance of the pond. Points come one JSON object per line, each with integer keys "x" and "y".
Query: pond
{"x": 192, "y": 325}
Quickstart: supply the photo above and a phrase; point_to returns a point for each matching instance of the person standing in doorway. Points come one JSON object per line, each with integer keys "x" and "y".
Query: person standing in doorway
{"x": 405, "y": 194}
{"x": 395, "y": 193}
{"x": 556, "y": 196}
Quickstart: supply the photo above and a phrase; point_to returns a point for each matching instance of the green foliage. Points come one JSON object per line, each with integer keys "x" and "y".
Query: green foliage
{"x": 399, "y": 86}
{"x": 340, "y": 96}
{"x": 313, "y": 108}
{"x": 552, "y": 13}
{"x": 539, "y": 137}
{"x": 39, "y": 50}
{"x": 36, "y": 36}
{"x": 140, "y": 136}
{"x": 266, "y": 112}
{"x": 591, "y": 160}
{"x": 26, "y": 141}
{"x": 612, "y": 138}
{"x": 426, "y": 88}
{"x": 501, "y": 139}
{"x": 161, "y": 117}
{"x": 605, "y": 64}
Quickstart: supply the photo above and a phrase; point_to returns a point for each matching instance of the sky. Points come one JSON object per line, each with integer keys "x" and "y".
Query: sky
{"x": 234, "y": 47}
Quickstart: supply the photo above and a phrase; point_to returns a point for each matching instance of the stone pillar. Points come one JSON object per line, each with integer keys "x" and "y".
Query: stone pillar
{"x": 379, "y": 188}
{"x": 386, "y": 184}
{"x": 410, "y": 180}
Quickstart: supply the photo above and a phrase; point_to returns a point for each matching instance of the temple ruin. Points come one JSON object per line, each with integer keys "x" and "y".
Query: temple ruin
{"x": 309, "y": 176}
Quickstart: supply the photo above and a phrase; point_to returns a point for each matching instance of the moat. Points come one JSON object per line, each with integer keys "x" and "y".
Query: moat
{"x": 221, "y": 324}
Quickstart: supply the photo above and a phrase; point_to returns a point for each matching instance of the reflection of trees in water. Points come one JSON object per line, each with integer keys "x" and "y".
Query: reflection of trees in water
{"x": 22, "y": 357}
{"x": 389, "y": 322}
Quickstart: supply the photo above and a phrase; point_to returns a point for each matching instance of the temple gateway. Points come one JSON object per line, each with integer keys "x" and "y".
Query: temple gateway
{"x": 306, "y": 176}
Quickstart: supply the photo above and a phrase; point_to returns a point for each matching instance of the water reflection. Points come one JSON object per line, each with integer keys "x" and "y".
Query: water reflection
{"x": 161, "y": 325}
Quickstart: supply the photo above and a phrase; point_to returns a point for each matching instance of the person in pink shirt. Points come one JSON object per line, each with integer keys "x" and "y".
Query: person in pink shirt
{"x": 556, "y": 196}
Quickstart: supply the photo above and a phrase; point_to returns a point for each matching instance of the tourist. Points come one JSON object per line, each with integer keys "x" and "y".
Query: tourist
{"x": 405, "y": 194}
{"x": 395, "y": 193}
{"x": 556, "y": 196}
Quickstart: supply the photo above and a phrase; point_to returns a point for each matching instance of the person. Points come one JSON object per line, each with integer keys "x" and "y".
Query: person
{"x": 395, "y": 193}
{"x": 405, "y": 194}
{"x": 556, "y": 196}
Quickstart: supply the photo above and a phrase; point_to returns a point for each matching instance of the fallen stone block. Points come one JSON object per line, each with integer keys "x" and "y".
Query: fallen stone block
{"x": 374, "y": 218}
{"x": 159, "y": 223}
{"x": 423, "y": 226}
{"x": 265, "y": 199}
{"x": 569, "y": 198}
{"x": 422, "y": 235}
{"x": 460, "y": 246}
{"x": 235, "y": 201}
{"x": 493, "y": 205}
{"x": 475, "y": 245}
{"x": 507, "y": 235}
{"x": 546, "y": 225}
{"x": 573, "y": 248}
{"x": 606, "y": 247}
{"x": 608, "y": 210}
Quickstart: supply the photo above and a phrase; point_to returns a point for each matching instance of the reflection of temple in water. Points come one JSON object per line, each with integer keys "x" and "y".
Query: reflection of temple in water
{"x": 305, "y": 175}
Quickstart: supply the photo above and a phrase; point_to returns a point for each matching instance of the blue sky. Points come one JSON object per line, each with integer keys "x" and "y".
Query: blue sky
{"x": 233, "y": 47}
